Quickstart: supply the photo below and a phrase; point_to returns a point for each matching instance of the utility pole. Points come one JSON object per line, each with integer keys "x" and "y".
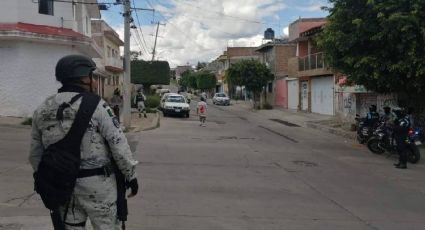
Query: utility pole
{"x": 127, "y": 70}
{"x": 127, "y": 63}
{"x": 156, "y": 37}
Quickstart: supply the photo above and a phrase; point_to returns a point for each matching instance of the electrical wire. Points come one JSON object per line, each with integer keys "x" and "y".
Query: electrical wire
{"x": 137, "y": 36}
{"x": 139, "y": 28}
{"x": 136, "y": 39}
{"x": 85, "y": 3}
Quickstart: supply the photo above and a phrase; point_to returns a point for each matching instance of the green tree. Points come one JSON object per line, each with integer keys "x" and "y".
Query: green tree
{"x": 188, "y": 80}
{"x": 184, "y": 79}
{"x": 134, "y": 55}
{"x": 201, "y": 65}
{"x": 150, "y": 73}
{"x": 205, "y": 80}
{"x": 378, "y": 44}
{"x": 250, "y": 73}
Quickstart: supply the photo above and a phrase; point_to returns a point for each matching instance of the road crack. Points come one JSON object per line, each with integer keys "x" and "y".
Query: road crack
{"x": 24, "y": 199}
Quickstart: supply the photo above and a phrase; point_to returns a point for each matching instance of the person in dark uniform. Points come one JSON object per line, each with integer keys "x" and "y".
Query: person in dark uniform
{"x": 372, "y": 116}
{"x": 401, "y": 131}
{"x": 139, "y": 100}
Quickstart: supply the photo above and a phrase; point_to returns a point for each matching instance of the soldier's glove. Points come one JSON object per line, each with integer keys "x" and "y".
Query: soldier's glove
{"x": 134, "y": 186}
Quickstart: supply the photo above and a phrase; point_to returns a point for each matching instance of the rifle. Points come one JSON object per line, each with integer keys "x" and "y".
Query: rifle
{"x": 122, "y": 209}
{"x": 58, "y": 223}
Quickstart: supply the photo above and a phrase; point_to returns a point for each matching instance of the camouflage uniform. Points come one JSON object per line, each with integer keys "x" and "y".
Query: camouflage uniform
{"x": 94, "y": 197}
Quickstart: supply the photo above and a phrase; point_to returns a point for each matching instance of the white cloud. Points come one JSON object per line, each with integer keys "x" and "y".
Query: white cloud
{"x": 310, "y": 8}
{"x": 285, "y": 31}
{"x": 200, "y": 30}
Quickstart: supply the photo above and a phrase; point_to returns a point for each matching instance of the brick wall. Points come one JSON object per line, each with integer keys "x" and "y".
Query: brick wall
{"x": 302, "y": 25}
{"x": 302, "y": 48}
{"x": 241, "y": 51}
{"x": 283, "y": 54}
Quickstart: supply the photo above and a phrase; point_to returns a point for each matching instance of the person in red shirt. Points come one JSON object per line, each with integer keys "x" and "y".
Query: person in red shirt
{"x": 201, "y": 110}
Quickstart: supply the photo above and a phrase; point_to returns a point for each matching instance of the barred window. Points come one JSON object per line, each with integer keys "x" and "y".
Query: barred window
{"x": 45, "y": 7}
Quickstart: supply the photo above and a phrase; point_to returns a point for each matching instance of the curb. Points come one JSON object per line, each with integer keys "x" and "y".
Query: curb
{"x": 338, "y": 132}
{"x": 155, "y": 125}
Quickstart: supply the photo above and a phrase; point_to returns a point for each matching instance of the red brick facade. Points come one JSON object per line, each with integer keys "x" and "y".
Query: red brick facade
{"x": 302, "y": 25}
{"x": 282, "y": 55}
{"x": 241, "y": 52}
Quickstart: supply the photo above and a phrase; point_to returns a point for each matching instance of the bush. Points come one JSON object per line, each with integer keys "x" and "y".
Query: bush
{"x": 267, "y": 106}
{"x": 27, "y": 121}
{"x": 152, "y": 101}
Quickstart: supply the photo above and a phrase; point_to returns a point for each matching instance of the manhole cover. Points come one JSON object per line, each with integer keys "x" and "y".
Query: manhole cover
{"x": 285, "y": 122}
{"x": 305, "y": 163}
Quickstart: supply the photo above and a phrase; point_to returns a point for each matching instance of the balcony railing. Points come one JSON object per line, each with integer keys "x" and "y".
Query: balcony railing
{"x": 311, "y": 62}
{"x": 114, "y": 62}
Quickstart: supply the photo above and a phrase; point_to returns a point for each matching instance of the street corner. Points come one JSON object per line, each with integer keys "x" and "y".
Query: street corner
{"x": 18, "y": 122}
{"x": 141, "y": 123}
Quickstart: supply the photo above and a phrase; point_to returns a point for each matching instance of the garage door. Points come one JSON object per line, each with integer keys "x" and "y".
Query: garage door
{"x": 322, "y": 95}
{"x": 293, "y": 94}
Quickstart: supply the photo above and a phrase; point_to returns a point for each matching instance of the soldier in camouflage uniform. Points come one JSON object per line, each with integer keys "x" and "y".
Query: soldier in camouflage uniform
{"x": 94, "y": 196}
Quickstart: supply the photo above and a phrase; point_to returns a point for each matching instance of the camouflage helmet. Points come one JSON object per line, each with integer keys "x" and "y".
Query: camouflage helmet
{"x": 74, "y": 66}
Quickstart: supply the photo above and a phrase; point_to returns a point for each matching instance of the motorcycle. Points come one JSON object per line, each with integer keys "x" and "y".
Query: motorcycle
{"x": 364, "y": 129}
{"x": 417, "y": 136}
{"x": 382, "y": 141}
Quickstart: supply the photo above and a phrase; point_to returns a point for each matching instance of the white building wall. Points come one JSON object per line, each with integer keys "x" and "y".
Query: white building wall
{"x": 27, "y": 75}
{"x": 12, "y": 11}
{"x": 26, "y": 11}
{"x": 9, "y": 11}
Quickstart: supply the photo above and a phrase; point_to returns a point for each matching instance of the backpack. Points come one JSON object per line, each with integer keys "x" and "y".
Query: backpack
{"x": 60, "y": 163}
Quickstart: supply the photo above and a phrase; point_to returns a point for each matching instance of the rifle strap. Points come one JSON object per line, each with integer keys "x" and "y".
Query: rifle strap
{"x": 85, "y": 112}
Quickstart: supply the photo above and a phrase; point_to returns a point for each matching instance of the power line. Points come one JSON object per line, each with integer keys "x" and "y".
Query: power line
{"x": 136, "y": 39}
{"x": 85, "y": 3}
{"x": 140, "y": 26}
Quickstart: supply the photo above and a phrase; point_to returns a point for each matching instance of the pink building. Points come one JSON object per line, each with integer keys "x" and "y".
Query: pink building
{"x": 275, "y": 56}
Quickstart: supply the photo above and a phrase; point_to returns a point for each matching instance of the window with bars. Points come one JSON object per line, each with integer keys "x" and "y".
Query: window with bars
{"x": 45, "y": 7}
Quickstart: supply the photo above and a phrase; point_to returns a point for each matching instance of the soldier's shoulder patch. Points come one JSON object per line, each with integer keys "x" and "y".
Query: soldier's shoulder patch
{"x": 116, "y": 122}
{"x": 111, "y": 114}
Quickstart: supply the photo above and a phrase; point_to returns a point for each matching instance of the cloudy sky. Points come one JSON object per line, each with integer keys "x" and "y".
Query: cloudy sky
{"x": 200, "y": 30}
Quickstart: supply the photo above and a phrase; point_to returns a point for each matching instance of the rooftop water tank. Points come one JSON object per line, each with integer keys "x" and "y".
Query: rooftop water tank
{"x": 269, "y": 34}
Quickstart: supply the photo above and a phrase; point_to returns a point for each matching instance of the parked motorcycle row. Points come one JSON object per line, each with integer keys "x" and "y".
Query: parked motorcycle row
{"x": 379, "y": 138}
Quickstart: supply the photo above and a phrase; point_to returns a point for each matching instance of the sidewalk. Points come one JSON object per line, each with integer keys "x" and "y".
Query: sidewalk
{"x": 144, "y": 124}
{"x": 321, "y": 122}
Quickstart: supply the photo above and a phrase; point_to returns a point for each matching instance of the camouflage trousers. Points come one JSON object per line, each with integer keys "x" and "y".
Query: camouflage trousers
{"x": 94, "y": 198}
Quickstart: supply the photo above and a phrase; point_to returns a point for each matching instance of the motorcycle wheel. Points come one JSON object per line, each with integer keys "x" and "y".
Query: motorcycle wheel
{"x": 373, "y": 146}
{"x": 413, "y": 155}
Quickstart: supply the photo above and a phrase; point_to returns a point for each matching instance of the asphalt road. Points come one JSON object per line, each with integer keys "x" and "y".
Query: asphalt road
{"x": 239, "y": 172}
{"x": 244, "y": 172}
